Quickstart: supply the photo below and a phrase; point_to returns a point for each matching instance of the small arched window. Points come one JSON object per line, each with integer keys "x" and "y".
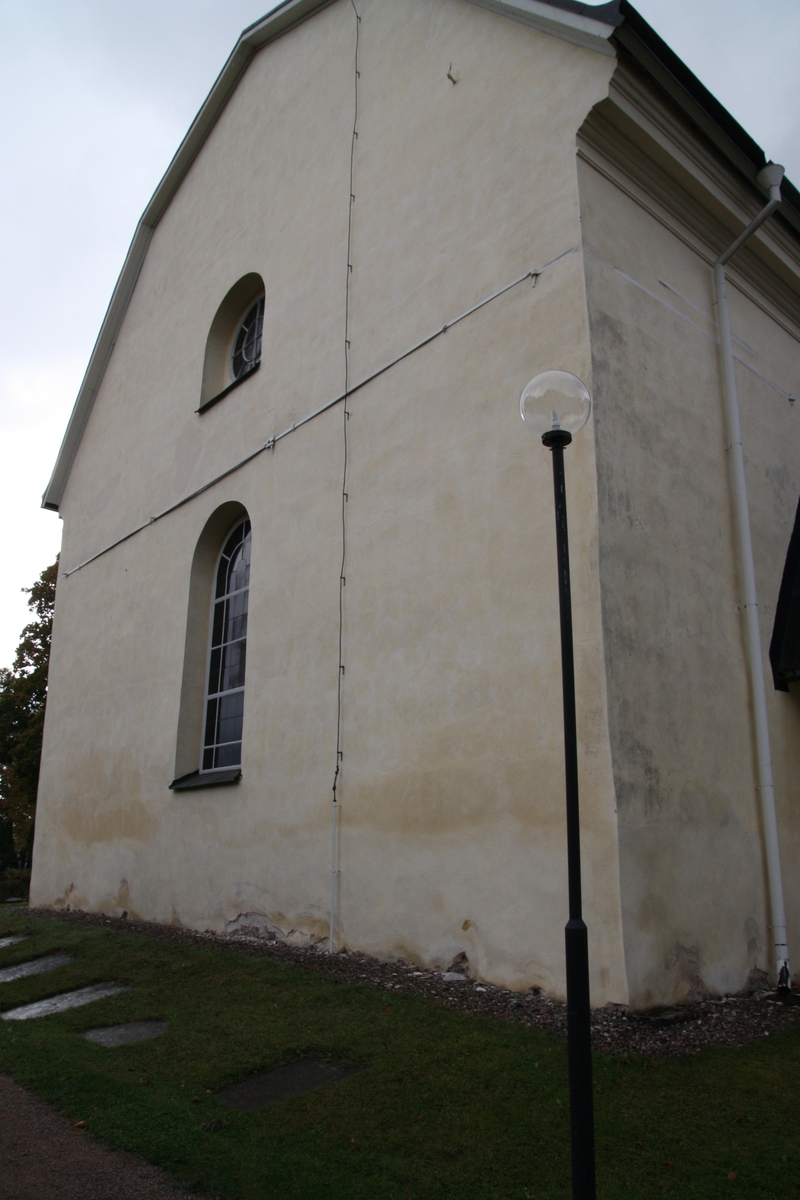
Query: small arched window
{"x": 233, "y": 345}
{"x": 246, "y": 352}
{"x": 222, "y": 740}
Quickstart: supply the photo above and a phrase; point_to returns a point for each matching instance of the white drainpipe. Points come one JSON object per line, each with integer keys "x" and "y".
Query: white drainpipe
{"x": 770, "y": 177}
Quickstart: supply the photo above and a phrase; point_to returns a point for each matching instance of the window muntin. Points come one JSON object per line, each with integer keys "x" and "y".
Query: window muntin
{"x": 222, "y": 742}
{"x": 246, "y": 352}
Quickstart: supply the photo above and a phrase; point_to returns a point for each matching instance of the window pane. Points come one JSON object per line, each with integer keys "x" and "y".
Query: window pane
{"x": 222, "y": 576}
{"x": 233, "y": 666}
{"x": 236, "y": 617}
{"x": 229, "y": 756}
{"x": 228, "y": 656}
{"x": 213, "y": 672}
{"x": 239, "y": 573}
{"x": 229, "y": 719}
{"x": 234, "y": 540}
{"x": 211, "y": 723}
{"x": 247, "y": 345}
{"x": 218, "y": 626}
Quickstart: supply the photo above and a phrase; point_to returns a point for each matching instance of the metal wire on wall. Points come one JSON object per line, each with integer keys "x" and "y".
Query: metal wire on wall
{"x": 272, "y": 442}
{"x": 343, "y": 567}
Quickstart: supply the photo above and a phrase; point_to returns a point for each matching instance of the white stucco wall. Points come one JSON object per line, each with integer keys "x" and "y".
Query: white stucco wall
{"x": 693, "y": 875}
{"x": 452, "y": 825}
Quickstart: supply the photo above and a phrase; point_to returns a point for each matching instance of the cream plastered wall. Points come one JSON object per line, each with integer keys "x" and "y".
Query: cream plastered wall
{"x": 691, "y": 850}
{"x": 452, "y": 830}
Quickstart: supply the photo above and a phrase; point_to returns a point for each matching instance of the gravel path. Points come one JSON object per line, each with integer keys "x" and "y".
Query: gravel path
{"x": 44, "y": 1157}
{"x": 727, "y": 1021}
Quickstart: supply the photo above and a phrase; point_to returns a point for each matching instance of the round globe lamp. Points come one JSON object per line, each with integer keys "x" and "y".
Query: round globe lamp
{"x": 555, "y": 401}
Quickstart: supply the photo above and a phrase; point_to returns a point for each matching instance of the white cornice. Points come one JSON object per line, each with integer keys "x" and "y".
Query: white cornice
{"x": 655, "y": 157}
{"x": 276, "y": 23}
{"x": 640, "y": 106}
{"x": 584, "y": 31}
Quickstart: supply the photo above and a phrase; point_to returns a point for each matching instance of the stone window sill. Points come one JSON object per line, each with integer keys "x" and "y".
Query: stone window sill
{"x": 221, "y": 395}
{"x": 206, "y": 779}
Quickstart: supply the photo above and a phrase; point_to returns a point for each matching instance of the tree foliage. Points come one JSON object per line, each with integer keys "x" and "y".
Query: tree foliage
{"x": 23, "y": 695}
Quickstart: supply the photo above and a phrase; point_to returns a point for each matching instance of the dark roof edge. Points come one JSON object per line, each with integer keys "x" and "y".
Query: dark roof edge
{"x": 634, "y": 34}
{"x": 609, "y": 13}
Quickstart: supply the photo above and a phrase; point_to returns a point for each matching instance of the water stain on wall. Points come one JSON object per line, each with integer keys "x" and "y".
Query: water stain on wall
{"x": 90, "y": 822}
{"x": 684, "y": 964}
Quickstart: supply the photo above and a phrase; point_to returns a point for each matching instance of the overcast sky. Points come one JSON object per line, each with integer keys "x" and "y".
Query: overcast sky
{"x": 95, "y": 96}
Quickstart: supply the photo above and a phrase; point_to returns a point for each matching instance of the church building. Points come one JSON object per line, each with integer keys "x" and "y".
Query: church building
{"x": 306, "y": 667}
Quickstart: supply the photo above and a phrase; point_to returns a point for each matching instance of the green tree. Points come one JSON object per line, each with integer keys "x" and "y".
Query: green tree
{"x": 23, "y": 695}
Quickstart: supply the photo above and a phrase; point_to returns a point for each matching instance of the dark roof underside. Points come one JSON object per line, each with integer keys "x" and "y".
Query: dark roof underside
{"x": 641, "y": 40}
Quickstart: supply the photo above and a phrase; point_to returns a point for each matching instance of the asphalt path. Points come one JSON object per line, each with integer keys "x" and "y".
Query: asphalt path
{"x": 44, "y": 1157}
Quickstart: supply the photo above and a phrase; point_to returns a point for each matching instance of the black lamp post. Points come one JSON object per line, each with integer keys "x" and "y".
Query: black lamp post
{"x": 556, "y": 405}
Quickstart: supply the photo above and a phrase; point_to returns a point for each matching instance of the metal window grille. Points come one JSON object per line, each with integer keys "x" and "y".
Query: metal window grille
{"x": 222, "y": 742}
{"x": 246, "y": 352}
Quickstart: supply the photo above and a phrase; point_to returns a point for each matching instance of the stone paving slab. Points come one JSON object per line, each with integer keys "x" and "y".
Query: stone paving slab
{"x": 11, "y": 941}
{"x": 295, "y": 1079}
{"x": 123, "y": 1035}
{"x": 34, "y": 966}
{"x": 55, "y": 1004}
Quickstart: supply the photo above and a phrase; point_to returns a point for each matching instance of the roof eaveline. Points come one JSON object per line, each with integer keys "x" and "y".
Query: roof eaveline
{"x": 640, "y": 40}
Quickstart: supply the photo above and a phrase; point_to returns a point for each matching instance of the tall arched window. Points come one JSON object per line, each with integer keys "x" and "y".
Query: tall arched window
{"x": 222, "y": 740}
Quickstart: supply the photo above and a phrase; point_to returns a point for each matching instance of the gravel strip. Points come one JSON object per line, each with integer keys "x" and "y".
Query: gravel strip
{"x": 686, "y": 1029}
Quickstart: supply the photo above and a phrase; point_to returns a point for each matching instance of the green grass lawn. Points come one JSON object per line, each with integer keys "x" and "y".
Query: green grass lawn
{"x": 448, "y": 1105}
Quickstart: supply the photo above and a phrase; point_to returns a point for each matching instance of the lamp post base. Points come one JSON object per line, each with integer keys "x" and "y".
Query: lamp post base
{"x": 579, "y": 1055}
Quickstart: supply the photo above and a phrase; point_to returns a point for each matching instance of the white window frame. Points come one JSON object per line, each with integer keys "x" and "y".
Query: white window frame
{"x": 207, "y": 695}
